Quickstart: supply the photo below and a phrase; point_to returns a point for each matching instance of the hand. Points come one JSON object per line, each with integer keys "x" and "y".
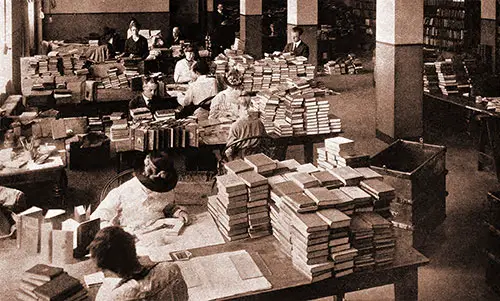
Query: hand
{"x": 185, "y": 216}
{"x": 115, "y": 221}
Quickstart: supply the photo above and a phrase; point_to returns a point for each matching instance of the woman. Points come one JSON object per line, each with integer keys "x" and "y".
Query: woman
{"x": 133, "y": 22}
{"x": 227, "y": 103}
{"x": 136, "y": 46}
{"x": 113, "y": 249}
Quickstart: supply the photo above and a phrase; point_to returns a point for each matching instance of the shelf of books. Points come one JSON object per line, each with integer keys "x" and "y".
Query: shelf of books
{"x": 452, "y": 25}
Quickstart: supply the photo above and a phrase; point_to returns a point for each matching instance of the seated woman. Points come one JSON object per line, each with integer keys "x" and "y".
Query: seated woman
{"x": 227, "y": 102}
{"x": 182, "y": 72}
{"x": 247, "y": 125}
{"x": 136, "y": 46}
{"x": 199, "y": 90}
{"x": 113, "y": 249}
{"x": 147, "y": 197}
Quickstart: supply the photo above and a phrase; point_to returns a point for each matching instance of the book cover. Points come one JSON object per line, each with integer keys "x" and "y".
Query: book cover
{"x": 43, "y": 272}
{"x": 59, "y": 288}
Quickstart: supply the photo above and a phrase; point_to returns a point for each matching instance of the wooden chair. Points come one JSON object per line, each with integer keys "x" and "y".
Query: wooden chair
{"x": 114, "y": 182}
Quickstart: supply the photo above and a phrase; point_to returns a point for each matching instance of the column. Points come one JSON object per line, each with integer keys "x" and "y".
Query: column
{"x": 488, "y": 28}
{"x": 398, "y": 76}
{"x": 251, "y": 27}
{"x": 304, "y": 13}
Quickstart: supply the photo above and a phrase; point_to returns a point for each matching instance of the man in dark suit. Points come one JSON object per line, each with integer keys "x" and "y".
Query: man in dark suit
{"x": 297, "y": 47}
{"x": 223, "y": 35}
{"x": 175, "y": 38}
{"x": 149, "y": 99}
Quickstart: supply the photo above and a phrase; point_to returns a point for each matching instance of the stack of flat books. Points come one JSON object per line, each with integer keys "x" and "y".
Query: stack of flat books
{"x": 322, "y": 159}
{"x": 282, "y": 128}
{"x": 258, "y": 203}
{"x": 338, "y": 242}
{"x": 303, "y": 179}
{"x": 294, "y": 111}
{"x": 447, "y": 78}
{"x": 383, "y": 238}
{"x": 327, "y": 180}
{"x": 140, "y": 113}
{"x": 96, "y": 124}
{"x": 335, "y": 123}
{"x": 369, "y": 173}
{"x": 363, "y": 202}
{"x": 310, "y": 235}
{"x": 431, "y": 81}
{"x": 382, "y": 193}
{"x": 323, "y": 119}
{"x": 362, "y": 240}
{"x": 343, "y": 202}
{"x": 67, "y": 63}
{"x": 229, "y": 207}
{"x": 342, "y": 149}
{"x": 44, "y": 282}
{"x": 286, "y": 166}
{"x": 293, "y": 197}
{"x": 119, "y": 131}
{"x": 164, "y": 114}
{"x": 311, "y": 116}
{"x": 307, "y": 167}
{"x": 261, "y": 163}
{"x": 323, "y": 197}
{"x": 237, "y": 166}
{"x": 348, "y": 175}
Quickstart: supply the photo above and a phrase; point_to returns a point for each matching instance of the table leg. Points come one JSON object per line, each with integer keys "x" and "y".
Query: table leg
{"x": 59, "y": 188}
{"x": 406, "y": 286}
{"x": 308, "y": 152}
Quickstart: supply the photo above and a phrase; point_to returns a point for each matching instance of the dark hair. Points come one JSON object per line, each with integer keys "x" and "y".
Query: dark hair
{"x": 114, "y": 249}
{"x": 201, "y": 67}
{"x": 165, "y": 178}
{"x": 133, "y": 20}
{"x": 298, "y": 30}
{"x": 147, "y": 79}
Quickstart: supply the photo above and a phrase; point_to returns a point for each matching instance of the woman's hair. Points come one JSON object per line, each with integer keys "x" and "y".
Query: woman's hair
{"x": 133, "y": 21}
{"x": 114, "y": 249}
{"x": 201, "y": 67}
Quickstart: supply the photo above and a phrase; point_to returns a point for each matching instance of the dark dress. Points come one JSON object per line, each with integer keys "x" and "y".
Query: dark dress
{"x": 139, "y": 48}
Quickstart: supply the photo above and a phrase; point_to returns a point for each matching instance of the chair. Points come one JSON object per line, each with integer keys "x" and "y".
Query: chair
{"x": 114, "y": 182}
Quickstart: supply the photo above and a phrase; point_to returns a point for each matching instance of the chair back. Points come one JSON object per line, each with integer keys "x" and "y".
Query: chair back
{"x": 114, "y": 182}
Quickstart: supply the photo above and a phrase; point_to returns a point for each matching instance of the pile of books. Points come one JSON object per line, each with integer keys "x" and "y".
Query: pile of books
{"x": 44, "y": 282}
{"x": 67, "y": 63}
{"x": 96, "y": 124}
{"x": 261, "y": 163}
{"x": 383, "y": 238}
{"x": 447, "y": 77}
{"x": 340, "y": 152}
{"x": 362, "y": 240}
{"x": 382, "y": 193}
{"x": 119, "y": 131}
{"x": 229, "y": 207}
{"x": 362, "y": 201}
{"x": 327, "y": 179}
{"x": 164, "y": 114}
{"x": 348, "y": 175}
{"x": 138, "y": 114}
{"x": 335, "y": 123}
{"x": 340, "y": 250}
{"x": 344, "y": 65}
{"x": 294, "y": 112}
{"x": 431, "y": 81}
{"x": 258, "y": 208}
{"x": 43, "y": 65}
{"x": 157, "y": 135}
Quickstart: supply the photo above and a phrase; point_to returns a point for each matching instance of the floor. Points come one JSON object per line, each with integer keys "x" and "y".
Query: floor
{"x": 456, "y": 269}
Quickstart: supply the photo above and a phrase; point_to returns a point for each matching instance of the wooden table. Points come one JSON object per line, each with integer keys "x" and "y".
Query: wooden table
{"x": 490, "y": 124}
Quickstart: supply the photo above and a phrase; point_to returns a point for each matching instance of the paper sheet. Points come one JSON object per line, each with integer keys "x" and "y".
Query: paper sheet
{"x": 201, "y": 232}
{"x": 219, "y": 276}
{"x": 104, "y": 293}
{"x": 95, "y": 278}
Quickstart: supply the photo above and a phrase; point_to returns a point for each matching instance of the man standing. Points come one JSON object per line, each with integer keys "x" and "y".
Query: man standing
{"x": 297, "y": 47}
{"x": 223, "y": 35}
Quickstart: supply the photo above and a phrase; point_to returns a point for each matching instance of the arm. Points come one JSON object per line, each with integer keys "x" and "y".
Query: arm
{"x": 188, "y": 98}
{"x": 108, "y": 208}
{"x": 232, "y": 136}
{"x": 214, "y": 107}
{"x": 306, "y": 50}
{"x": 144, "y": 49}
{"x": 172, "y": 210}
{"x": 126, "y": 50}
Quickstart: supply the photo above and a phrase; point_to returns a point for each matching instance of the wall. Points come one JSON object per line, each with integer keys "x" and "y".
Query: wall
{"x": 72, "y": 22}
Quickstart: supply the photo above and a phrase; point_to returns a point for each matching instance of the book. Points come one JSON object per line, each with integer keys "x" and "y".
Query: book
{"x": 168, "y": 226}
{"x": 237, "y": 166}
{"x": 322, "y": 196}
{"x": 285, "y": 188}
{"x": 43, "y": 272}
{"x": 334, "y": 218}
{"x": 309, "y": 222}
{"x": 59, "y": 288}
{"x": 29, "y": 226}
{"x": 252, "y": 178}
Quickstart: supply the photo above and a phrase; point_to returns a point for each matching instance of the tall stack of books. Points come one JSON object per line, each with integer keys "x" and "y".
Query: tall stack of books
{"x": 258, "y": 209}
{"x": 67, "y": 63}
{"x": 310, "y": 251}
{"x": 113, "y": 78}
{"x": 323, "y": 159}
{"x": 261, "y": 163}
{"x": 43, "y": 65}
{"x": 342, "y": 149}
{"x": 338, "y": 241}
{"x": 447, "y": 77}
{"x": 53, "y": 64}
{"x": 431, "y": 81}
{"x": 311, "y": 115}
{"x": 229, "y": 207}
{"x": 294, "y": 111}
{"x": 362, "y": 201}
{"x": 44, "y": 282}
{"x": 282, "y": 128}
{"x": 268, "y": 103}
{"x": 362, "y": 240}
{"x": 383, "y": 238}
{"x": 382, "y": 193}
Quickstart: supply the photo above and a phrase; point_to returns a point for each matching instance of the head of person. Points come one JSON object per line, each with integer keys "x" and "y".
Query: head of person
{"x": 296, "y": 34}
{"x": 176, "y": 32}
{"x": 201, "y": 67}
{"x": 133, "y": 22}
{"x": 149, "y": 87}
{"x": 157, "y": 173}
{"x": 113, "y": 249}
{"x": 220, "y": 7}
{"x": 134, "y": 29}
{"x": 190, "y": 53}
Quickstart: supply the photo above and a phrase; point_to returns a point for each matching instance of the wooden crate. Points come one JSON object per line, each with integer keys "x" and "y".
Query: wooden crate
{"x": 418, "y": 173}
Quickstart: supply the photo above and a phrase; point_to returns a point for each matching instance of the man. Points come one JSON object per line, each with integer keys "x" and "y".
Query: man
{"x": 149, "y": 99}
{"x": 114, "y": 249}
{"x": 175, "y": 38}
{"x": 223, "y": 36}
{"x": 144, "y": 199}
{"x": 297, "y": 47}
{"x": 182, "y": 71}
{"x": 246, "y": 126}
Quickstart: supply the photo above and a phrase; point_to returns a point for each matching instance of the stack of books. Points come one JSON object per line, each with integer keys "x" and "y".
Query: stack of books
{"x": 292, "y": 196}
{"x": 369, "y": 173}
{"x": 282, "y": 128}
{"x": 96, "y": 124}
{"x": 343, "y": 202}
{"x": 229, "y": 207}
{"x": 113, "y": 78}
{"x": 43, "y": 65}
{"x": 382, "y": 193}
{"x": 327, "y": 180}
{"x": 261, "y": 163}
{"x": 338, "y": 241}
{"x": 119, "y": 131}
{"x": 44, "y": 282}
{"x": 362, "y": 201}
{"x": 237, "y": 166}
{"x": 335, "y": 123}
{"x": 140, "y": 114}
{"x": 362, "y": 240}
{"x": 383, "y": 238}
{"x": 67, "y": 63}
{"x": 431, "y": 81}
{"x": 258, "y": 208}
{"x": 310, "y": 250}
{"x": 342, "y": 149}
{"x": 311, "y": 116}
{"x": 164, "y": 114}
{"x": 447, "y": 77}
{"x": 348, "y": 175}
{"x": 303, "y": 179}
{"x": 131, "y": 69}
{"x": 294, "y": 111}
{"x": 323, "y": 197}
{"x": 53, "y": 64}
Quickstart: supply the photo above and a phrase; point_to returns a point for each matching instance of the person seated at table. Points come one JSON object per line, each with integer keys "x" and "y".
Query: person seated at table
{"x": 182, "y": 72}
{"x": 247, "y": 125}
{"x": 175, "y": 38}
{"x": 144, "y": 199}
{"x": 201, "y": 89}
{"x": 297, "y": 47}
{"x": 226, "y": 103}
{"x": 136, "y": 46}
{"x": 149, "y": 99}
{"x": 114, "y": 249}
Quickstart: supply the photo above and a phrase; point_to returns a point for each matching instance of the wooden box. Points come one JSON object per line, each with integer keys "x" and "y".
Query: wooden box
{"x": 418, "y": 173}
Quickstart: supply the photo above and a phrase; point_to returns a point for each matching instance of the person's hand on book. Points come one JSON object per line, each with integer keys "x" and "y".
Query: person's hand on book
{"x": 184, "y": 216}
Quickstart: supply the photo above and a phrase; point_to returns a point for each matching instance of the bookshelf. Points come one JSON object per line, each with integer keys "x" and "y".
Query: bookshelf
{"x": 452, "y": 25}
{"x": 366, "y": 9}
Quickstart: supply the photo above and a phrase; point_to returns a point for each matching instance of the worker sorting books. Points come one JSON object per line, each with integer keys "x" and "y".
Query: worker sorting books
{"x": 297, "y": 47}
